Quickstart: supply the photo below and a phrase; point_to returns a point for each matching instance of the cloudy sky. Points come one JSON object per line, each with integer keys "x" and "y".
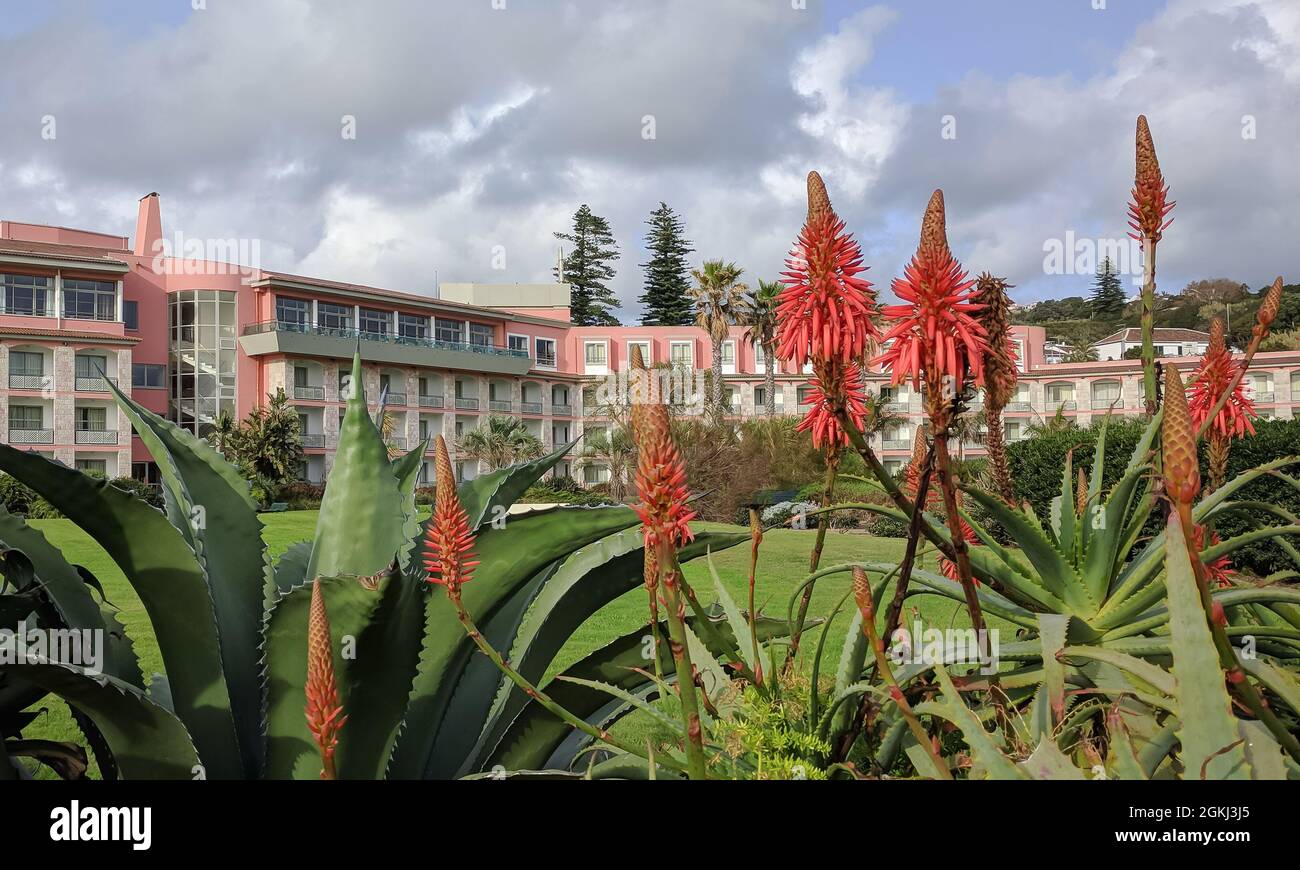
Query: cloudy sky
{"x": 479, "y": 130}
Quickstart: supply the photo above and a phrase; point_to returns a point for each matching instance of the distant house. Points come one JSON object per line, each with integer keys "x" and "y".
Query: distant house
{"x": 1167, "y": 341}
{"x": 1055, "y": 352}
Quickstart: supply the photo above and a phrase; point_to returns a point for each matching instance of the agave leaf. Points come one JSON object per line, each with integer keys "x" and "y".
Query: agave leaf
{"x": 375, "y": 633}
{"x": 228, "y": 540}
{"x": 1208, "y": 726}
{"x": 162, "y": 568}
{"x": 490, "y": 495}
{"x": 509, "y": 556}
{"x": 406, "y": 468}
{"x": 144, "y": 740}
{"x": 291, "y": 570}
{"x": 361, "y": 524}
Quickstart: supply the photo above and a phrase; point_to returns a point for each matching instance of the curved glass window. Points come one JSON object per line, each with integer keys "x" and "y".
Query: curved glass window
{"x": 201, "y": 357}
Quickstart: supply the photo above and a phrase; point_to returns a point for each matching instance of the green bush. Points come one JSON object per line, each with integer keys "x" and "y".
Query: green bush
{"x": 1036, "y": 465}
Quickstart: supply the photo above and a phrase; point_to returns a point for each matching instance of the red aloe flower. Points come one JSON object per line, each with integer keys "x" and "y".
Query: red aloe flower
{"x": 1149, "y": 210}
{"x": 660, "y": 480}
{"x": 912, "y": 476}
{"x": 825, "y": 311}
{"x": 934, "y": 335}
{"x": 449, "y": 543}
{"x": 1219, "y": 571}
{"x": 324, "y": 712}
{"x": 1216, "y": 371}
{"x": 839, "y": 384}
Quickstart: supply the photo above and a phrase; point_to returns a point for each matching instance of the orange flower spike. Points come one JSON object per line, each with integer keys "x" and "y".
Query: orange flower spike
{"x": 1149, "y": 210}
{"x": 1216, "y": 372}
{"x": 825, "y": 311}
{"x": 324, "y": 712}
{"x": 448, "y": 543}
{"x": 821, "y": 419}
{"x": 1268, "y": 309}
{"x": 1181, "y": 469}
{"x": 661, "y": 481}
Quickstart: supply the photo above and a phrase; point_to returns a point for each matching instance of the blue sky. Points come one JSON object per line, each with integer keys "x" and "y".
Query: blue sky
{"x": 482, "y": 130}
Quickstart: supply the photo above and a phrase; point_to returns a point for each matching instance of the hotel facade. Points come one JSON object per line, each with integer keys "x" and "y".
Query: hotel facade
{"x": 191, "y": 337}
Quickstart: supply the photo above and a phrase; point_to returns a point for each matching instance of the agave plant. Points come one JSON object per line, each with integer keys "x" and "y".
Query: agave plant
{"x": 232, "y": 626}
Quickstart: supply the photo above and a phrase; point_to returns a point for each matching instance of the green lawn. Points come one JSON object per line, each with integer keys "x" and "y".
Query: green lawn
{"x": 783, "y": 565}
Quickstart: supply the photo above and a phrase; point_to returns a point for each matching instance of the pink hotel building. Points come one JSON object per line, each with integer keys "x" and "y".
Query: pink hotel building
{"x": 195, "y": 338}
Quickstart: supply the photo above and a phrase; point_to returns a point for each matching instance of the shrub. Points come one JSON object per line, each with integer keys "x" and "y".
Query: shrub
{"x": 143, "y": 491}
{"x": 300, "y": 495}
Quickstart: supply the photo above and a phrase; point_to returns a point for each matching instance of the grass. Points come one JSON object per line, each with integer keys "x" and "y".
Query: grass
{"x": 783, "y": 565}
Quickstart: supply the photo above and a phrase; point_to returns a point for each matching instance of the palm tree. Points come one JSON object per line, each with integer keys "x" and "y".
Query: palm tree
{"x": 1080, "y": 353}
{"x": 614, "y": 449}
{"x": 758, "y": 316}
{"x": 879, "y": 415}
{"x": 499, "y": 442}
{"x": 270, "y": 441}
{"x": 718, "y": 296}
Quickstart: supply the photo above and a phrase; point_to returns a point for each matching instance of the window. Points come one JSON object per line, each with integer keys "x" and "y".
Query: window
{"x": 412, "y": 326}
{"x": 89, "y": 366}
{"x": 480, "y": 335}
{"x": 518, "y": 343}
{"x": 299, "y": 376}
{"x": 681, "y": 353}
{"x": 449, "y": 330}
{"x": 293, "y": 313}
{"x": 97, "y": 466}
{"x": 645, "y": 352}
{"x": 805, "y": 392}
{"x": 375, "y": 323}
{"x": 23, "y": 362}
{"x": 26, "y": 417}
{"x": 148, "y": 376}
{"x": 26, "y": 294}
{"x": 131, "y": 315}
{"x": 729, "y": 357}
{"x": 596, "y": 353}
{"x": 334, "y": 317}
{"x": 1105, "y": 394}
{"x": 91, "y": 419}
{"x": 545, "y": 352}
{"x": 760, "y": 359}
{"x": 89, "y": 300}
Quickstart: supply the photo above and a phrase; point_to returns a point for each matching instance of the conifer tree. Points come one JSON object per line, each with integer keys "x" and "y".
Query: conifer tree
{"x": 1108, "y": 292}
{"x": 666, "y": 299}
{"x": 587, "y": 269}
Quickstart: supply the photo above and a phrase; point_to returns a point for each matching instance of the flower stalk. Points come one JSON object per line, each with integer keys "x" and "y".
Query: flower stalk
{"x": 324, "y": 710}
{"x": 1148, "y": 218}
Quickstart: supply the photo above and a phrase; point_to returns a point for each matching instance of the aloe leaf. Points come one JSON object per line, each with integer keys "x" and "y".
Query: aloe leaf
{"x": 361, "y": 526}
{"x": 986, "y": 748}
{"x": 228, "y": 536}
{"x": 508, "y": 555}
{"x": 1263, "y": 753}
{"x": 1108, "y": 531}
{"x": 161, "y": 566}
{"x": 1208, "y": 726}
{"x": 990, "y": 601}
{"x": 1280, "y": 682}
{"x": 739, "y": 625}
{"x": 1048, "y": 762}
{"x": 1063, "y": 511}
{"x": 489, "y": 495}
{"x": 144, "y": 740}
{"x": 1124, "y": 762}
{"x": 1051, "y": 633}
{"x": 1152, "y": 678}
{"x": 1096, "y": 481}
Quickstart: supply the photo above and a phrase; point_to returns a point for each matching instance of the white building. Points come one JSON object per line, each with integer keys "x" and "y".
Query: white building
{"x": 1167, "y": 341}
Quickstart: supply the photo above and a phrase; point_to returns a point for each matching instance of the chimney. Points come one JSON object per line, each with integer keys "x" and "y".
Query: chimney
{"x": 148, "y": 226}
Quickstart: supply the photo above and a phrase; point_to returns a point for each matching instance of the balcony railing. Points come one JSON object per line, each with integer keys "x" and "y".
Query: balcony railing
{"x": 95, "y": 436}
{"x": 1263, "y": 397}
{"x": 896, "y": 444}
{"x": 431, "y": 401}
{"x": 92, "y": 384}
{"x": 396, "y": 441}
{"x": 530, "y": 407}
{"x": 901, "y": 407}
{"x": 29, "y": 382}
{"x": 31, "y": 436}
{"x": 562, "y": 410}
{"x": 1104, "y": 405}
{"x": 316, "y": 393}
{"x": 463, "y": 404}
{"x": 1062, "y": 404}
{"x": 1019, "y": 406}
{"x": 312, "y": 439}
{"x": 545, "y": 362}
{"x": 397, "y": 400}
{"x": 498, "y": 405}
{"x": 349, "y": 332}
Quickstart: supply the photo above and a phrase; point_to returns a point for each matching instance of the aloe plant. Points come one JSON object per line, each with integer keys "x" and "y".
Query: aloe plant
{"x": 232, "y": 625}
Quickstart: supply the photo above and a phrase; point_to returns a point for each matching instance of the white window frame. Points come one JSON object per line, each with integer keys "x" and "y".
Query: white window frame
{"x": 537, "y": 354}
{"x": 528, "y": 341}
{"x": 595, "y": 368}
{"x": 729, "y": 369}
{"x": 678, "y": 342}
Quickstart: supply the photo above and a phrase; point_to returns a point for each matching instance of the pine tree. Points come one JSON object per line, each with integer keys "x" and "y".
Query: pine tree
{"x": 587, "y": 269}
{"x": 1108, "y": 293}
{"x": 666, "y": 299}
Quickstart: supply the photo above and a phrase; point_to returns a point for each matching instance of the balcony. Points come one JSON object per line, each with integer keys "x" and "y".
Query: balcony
{"x": 31, "y": 436}
{"x": 463, "y": 404}
{"x": 504, "y": 407}
{"x": 396, "y": 400}
{"x": 430, "y": 401}
{"x": 530, "y": 407}
{"x": 312, "y": 439}
{"x": 1019, "y": 406}
{"x": 397, "y": 442}
{"x": 896, "y": 444}
{"x": 297, "y": 339}
{"x": 562, "y": 410}
{"x": 546, "y": 362}
{"x": 1104, "y": 405}
{"x": 30, "y": 382}
{"x": 897, "y": 407}
{"x": 1264, "y": 398}
{"x": 311, "y": 393}
{"x": 92, "y": 384}
{"x": 1054, "y": 405}
{"x": 95, "y": 436}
